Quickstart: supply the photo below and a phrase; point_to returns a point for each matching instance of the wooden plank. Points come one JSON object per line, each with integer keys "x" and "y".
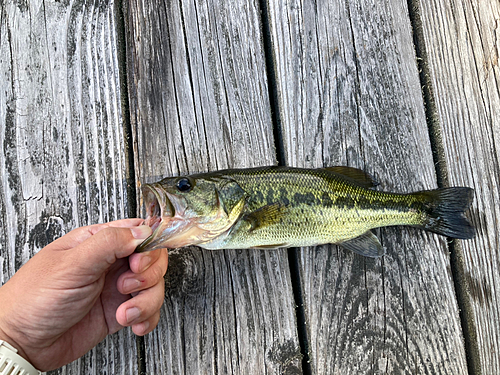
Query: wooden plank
{"x": 461, "y": 38}
{"x": 349, "y": 93}
{"x": 199, "y": 102}
{"x": 61, "y": 138}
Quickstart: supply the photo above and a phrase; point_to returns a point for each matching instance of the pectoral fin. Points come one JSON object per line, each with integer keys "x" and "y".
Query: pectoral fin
{"x": 367, "y": 245}
{"x": 265, "y": 216}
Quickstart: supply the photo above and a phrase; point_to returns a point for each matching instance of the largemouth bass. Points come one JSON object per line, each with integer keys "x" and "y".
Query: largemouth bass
{"x": 273, "y": 207}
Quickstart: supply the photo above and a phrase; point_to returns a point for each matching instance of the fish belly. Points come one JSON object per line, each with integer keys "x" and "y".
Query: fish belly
{"x": 310, "y": 226}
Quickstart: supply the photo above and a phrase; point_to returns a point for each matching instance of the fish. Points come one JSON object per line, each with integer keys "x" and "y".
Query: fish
{"x": 277, "y": 207}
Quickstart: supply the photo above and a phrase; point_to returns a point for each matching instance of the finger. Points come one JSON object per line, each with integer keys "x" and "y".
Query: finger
{"x": 102, "y": 249}
{"x": 140, "y": 262}
{"x": 78, "y": 235}
{"x": 143, "y": 328}
{"x": 141, "y": 307}
{"x": 130, "y": 282}
{"x": 126, "y": 223}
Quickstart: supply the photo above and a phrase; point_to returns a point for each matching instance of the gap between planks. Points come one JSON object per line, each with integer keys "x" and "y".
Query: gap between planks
{"x": 457, "y": 266}
{"x": 293, "y": 253}
{"x": 456, "y": 255}
{"x": 120, "y": 11}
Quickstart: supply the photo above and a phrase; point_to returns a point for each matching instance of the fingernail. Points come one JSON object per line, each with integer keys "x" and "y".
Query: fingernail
{"x": 144, "y": 263}
{"x": 132, "y": 314}
{"x": 145, "y": 326}
{"x": 131, "y": 284}
{"x": 141, "y": 232}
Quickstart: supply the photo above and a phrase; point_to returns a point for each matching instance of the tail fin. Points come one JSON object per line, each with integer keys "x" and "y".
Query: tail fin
{"x": 445, "y": 210}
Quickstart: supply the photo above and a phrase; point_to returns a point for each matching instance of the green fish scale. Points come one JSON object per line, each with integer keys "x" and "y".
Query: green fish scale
{"x": 314, "y": 206}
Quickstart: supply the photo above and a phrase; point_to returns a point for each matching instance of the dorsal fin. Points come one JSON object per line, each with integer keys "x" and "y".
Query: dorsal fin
{"x": 361, "y": 178}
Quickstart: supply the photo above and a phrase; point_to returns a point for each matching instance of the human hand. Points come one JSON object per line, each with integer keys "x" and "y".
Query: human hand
{"x": 80, "y": 288}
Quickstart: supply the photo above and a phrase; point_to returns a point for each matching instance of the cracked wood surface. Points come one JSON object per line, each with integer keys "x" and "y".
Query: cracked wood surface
{"x": 461, "y": 38}
{"x": 61, "y": 139}
{"x": 199, "y": 102}
{"x": 348, "y": 93}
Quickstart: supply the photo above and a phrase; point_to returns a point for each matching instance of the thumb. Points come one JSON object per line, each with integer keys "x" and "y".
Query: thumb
{"x": 102, "y": 249}
{"x": 78, "y": 235}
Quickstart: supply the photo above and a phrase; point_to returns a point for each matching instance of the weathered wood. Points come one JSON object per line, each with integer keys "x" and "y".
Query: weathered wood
{"x": 199, "y": 102}
{"x": 61, "y": 138}
{"x": 349, "y": 93}
{"x": 461, "y": 38}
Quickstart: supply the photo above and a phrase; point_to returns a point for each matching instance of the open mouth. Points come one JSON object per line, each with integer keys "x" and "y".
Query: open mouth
{"x": 158, "y": 210}
{"x": 157, "y": 206}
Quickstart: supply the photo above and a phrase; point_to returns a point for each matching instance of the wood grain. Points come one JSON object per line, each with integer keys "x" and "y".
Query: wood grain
{"x": 461, "y": 39}
{"x": 349, "y": 93}
{"x": 61, "y": 138}
{"x": 199, "y": 101}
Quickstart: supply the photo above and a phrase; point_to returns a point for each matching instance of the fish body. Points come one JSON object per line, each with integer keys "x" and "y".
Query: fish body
{"x": 273, "y": 207}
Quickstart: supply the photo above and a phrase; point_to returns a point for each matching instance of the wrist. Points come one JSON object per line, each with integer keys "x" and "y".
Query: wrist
{"x": 13, "y": 363}
{"x": 4, "y": 336}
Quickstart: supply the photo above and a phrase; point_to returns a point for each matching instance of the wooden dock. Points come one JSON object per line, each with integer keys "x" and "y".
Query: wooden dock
{"x": 99, "y": 97}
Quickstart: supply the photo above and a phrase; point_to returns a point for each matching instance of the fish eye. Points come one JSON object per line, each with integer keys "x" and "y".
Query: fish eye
{"x": 184, "y": 185}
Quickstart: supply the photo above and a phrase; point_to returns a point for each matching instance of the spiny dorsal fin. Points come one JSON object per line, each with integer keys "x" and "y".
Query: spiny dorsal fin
{"x": 264, "y": 216}
{"x": 367, "y": 245}
{"x": 356, "y": 175}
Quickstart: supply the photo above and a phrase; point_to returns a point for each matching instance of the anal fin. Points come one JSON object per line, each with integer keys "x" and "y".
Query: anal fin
{"x": 367, "y": 245}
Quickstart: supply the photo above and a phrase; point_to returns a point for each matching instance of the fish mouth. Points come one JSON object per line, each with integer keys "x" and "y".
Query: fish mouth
{"x": 174, "y": 225}
{"x": 166, "y": 217}
{"x": 159, "y": 213}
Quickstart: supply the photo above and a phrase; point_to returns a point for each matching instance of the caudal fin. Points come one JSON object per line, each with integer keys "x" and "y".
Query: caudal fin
{"x": 445, "y": 210}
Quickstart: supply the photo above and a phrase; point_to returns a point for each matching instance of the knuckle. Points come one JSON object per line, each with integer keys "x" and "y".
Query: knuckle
{"x": 81, "y": 232}
{"x": 161, "y": 296}
{"x": 107, "y": 237}
{"x": 112, "y": 239}
{"x": 164, "y": 259}
{"x": 156, "y": 297}
{"x": 156, "y": 320}
{"x": 158, "y": 273}
{"x": 110, "y": 236}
